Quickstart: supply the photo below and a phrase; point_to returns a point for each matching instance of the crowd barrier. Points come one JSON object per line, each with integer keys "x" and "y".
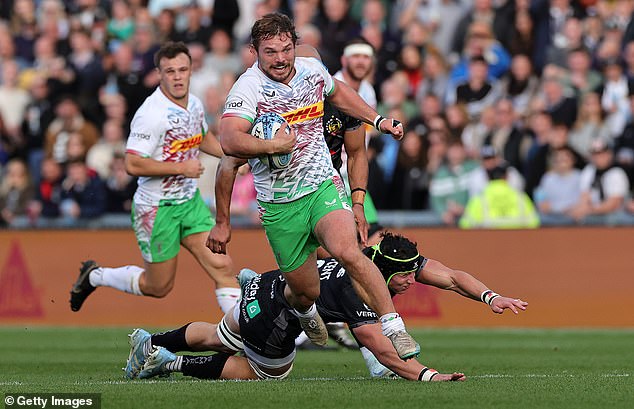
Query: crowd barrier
{"x": 571, "y": 277}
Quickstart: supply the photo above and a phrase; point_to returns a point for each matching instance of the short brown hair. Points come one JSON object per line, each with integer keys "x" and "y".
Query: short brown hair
{"x": 271, "y": 25}
{"x": 170, "y": 50}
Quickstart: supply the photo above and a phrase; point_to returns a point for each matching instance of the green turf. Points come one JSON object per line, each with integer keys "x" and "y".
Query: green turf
{"x": 506, "y": 369}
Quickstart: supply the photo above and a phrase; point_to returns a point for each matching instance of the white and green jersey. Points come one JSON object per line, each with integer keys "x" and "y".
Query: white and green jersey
{"x": 166, "y": 132}
{"x": 301, "y": 103}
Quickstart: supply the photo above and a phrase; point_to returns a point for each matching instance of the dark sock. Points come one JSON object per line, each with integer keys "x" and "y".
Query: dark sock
{"x": 173, "y": 341}
{"x": 204, "y": 367}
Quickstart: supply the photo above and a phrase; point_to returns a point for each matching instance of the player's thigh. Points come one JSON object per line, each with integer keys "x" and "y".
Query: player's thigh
{"x": 337, "y": 233}
{"x": 157, "y": 232}
{"x": 304, "y": 280}
{"x": 213, "y": 263}
{"x": 158, "y": 278}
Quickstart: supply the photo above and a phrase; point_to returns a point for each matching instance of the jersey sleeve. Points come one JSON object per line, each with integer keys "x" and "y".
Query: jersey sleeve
{"x": 329, "y": 82}
{"x": 145, "y": 134}
{"x": 242, "y": 99}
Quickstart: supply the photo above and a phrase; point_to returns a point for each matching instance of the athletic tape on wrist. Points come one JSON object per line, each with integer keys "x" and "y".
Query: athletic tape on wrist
{"x": 488, "y": 296}
{"x": 427, "y": 374}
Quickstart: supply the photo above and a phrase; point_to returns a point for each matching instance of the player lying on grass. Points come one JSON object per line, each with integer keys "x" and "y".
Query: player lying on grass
{"x": 263, "y": 326}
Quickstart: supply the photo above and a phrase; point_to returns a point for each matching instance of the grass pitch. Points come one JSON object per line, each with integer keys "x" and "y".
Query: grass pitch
{"x": 505, "y": 368}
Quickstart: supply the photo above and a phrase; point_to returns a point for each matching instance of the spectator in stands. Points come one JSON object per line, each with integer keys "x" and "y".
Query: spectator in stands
{"x": 560, "y": 188}
{"x": 604, "y": 187}
{"x": 16, "y": 191}
{"x": 557, "y": 137}
{"x": 499, "y": 206}
{"x": 435, "y": 77}
{"x": 481, "y": 43}
{"x": 198, "y": 29}
{"x": 430, "y": 106}
{"x": 581, "y": 77}
{"x": 394, "y": 96}
{"x": 128, "y": 77}
{"x": 48, "y": 196}
{"x": 559, "y": 102}
{"x": 83, "y": 192}
{"x": 476, "y": 131}
{"x": 165, "y": 26}
{"x": 145, "y": 45}
{"x": 614, "y": 94}
{"x": 221, "y": 56}
{"x": 120, "y": 186}
{"x": 449, "y": 187}
{"x": 121, "y": 24}
{"x": 520, "y": 84}
{"x": 52, "y": 66}
{"x": 499, "y": 21}
{"x": 591, "y": 124}
{"x": 38, "y": 115}
{"x": 521, "y": 41}
{"x": 489, "y": 159}
{"x": 411, "y": 64}
{"x": 203, "y": 75}
{"x": 68, "y": 119}
{"x": 628, "y": 58}
{"x": 100, "y": 156}
{"x": 88, "y": 72}
{"x": 13, "y": 103}
{"x": 333, "y": 19}
{"x": 564, "y": 43}
{"x": 550, "y": 18}
{"x": 506, "y": 137}
{"x": 477, "y": 91}
{"x": 457, "y": 120}
{"x": 409, "y": 189}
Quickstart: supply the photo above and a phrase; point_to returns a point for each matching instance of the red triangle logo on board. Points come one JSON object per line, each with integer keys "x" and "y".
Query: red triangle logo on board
{"x": 18, "y": 297}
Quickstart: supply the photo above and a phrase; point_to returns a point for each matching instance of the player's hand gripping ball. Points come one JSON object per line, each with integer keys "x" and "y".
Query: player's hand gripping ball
{"x": 265, "y": 127}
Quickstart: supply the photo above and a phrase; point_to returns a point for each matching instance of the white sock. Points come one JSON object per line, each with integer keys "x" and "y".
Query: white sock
{"x": 124, "y": 278}
{"x": 175, "y": 365}
{"x": 391, "y": 323}
{"x": 311, "y": 312}
{"x": 227, "y": 297}
{"x": 301, "y": 339}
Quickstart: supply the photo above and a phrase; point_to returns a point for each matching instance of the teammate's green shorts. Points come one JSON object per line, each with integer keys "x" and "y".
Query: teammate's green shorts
{"x": 160, "y": 229}
{"x": 290, "y": 226}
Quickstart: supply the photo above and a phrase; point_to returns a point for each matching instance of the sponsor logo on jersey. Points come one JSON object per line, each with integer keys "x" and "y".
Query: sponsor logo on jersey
{"x": 182, "y": 145}
{"x": 305, "y": 113}
{"x": 233, "y": 104}
{"x": 333, "y": 125}
{"x": 253, "y": 308}
{"x": 139, "y": 135}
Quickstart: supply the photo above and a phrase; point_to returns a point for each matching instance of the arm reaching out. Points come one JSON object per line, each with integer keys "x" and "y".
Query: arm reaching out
{"x": 346, "y": 99}
{"x": 437, "y": 274}
{"x": 371, "y": 337}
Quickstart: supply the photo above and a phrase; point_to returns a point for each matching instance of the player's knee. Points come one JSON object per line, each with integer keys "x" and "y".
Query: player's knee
{"x": 158, "y": 291}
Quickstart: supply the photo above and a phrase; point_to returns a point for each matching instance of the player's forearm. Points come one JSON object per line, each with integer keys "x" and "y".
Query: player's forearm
{"x": 358, "y": 172}
{"x": 346, "y": 99}
{"x": 243, "y": 145}
{"x": 148, "y": 167}
{"x": 211, "y": 146}
{"x": 225, "y": 178}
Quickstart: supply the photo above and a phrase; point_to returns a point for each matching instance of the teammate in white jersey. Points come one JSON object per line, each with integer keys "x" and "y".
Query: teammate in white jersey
{"x": 300, "y": 206}
{"x": 166, "y": 135}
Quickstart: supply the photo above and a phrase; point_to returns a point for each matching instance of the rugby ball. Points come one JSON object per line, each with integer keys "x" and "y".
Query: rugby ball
{"x": 265, "y": 127}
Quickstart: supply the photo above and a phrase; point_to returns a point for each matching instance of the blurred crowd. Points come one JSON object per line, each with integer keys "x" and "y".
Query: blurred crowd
{"x": 513, "y": 109}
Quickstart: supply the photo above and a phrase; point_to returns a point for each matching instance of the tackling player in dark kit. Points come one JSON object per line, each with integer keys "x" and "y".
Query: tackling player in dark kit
{"x": 264, "y": 327}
